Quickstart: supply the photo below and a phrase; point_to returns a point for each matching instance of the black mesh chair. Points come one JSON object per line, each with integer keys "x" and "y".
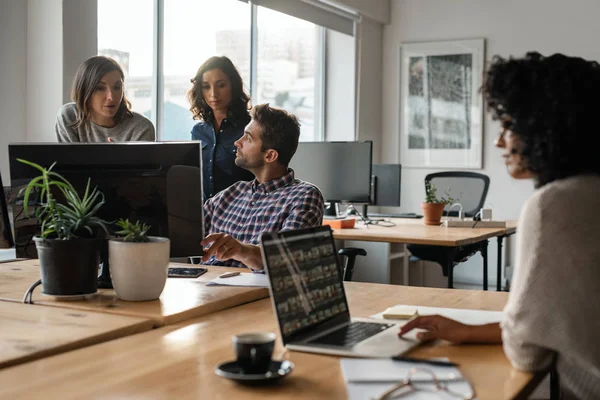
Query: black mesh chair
{"x": 350, "y": 253}
{"x": 470, "y": 190}
{"x": 6, "y": 239}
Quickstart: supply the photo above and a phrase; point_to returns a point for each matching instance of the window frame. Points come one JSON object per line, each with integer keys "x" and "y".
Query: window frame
{"x": 158, "y": 90}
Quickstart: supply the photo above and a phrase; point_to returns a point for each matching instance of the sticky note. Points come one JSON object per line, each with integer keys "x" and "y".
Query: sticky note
{"x": 400, "y": 312}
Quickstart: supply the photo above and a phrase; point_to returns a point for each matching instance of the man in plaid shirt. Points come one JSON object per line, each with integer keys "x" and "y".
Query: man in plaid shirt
{"x": 274, "y": 201}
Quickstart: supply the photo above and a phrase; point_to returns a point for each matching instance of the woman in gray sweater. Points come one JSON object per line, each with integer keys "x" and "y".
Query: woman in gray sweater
{"x": 547, "y": 107}
{"x": 100, "y": 112}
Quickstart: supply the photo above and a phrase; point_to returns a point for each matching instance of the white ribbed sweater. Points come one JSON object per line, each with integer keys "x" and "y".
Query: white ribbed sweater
{"x": 554, "y": 303}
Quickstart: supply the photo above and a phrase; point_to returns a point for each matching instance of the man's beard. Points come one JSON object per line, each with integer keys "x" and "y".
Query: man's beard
{"x": 248, "y": 165}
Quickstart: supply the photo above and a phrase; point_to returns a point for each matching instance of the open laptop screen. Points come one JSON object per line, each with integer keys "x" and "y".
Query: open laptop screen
{"x": 306, "y": 283}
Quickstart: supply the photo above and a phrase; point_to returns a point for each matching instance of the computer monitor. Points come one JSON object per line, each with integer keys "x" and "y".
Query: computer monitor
{"x": 341, "y": 170}
{"x": 6, "y": 239}
{"x": 159, "y": 184}
{"x": 386, "y": 184}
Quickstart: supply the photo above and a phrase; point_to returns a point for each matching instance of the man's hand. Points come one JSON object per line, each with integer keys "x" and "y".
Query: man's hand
{"x": 437, "y": 327}
{"x": 222, "y": 246}
{"x": 225, "y": 247}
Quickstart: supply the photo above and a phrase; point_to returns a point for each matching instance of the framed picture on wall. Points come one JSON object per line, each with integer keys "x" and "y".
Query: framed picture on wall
{"x": 441, "y": 108}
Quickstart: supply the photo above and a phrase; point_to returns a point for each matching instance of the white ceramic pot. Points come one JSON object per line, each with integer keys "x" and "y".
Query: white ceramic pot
{"x": 139, "y": 270}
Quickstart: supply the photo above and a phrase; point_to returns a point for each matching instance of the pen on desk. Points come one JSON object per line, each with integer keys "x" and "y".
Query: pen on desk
{"x": 438, "y": 363}
{"x": 229, "y": 274}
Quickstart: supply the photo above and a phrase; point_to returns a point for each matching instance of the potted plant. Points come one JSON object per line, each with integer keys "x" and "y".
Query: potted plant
{"x": 68, "y": 245}
{"x": 138, "y": 263}
{"x": 433, "y": 208}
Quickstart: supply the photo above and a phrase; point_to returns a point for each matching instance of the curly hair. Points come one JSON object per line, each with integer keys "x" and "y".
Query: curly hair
{"x": 240, "y": 100}
{"x": 281, "y": 131}
{"x": 89, "y": 73}
{"x": 551, "y": 104}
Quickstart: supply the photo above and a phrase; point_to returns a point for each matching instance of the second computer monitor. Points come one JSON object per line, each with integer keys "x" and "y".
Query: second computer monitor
{"x": 341, "y": 170}
{"x": 386, "y": 184}
{"x": 159, "y": 184}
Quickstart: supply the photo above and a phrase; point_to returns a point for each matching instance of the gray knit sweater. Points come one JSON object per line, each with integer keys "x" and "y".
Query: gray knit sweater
{"x": 553, "y": 304}
{"x": 136, "y": 128}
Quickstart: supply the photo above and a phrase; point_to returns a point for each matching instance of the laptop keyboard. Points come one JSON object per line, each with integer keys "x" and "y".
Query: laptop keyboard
{"x": 351, "y": 334}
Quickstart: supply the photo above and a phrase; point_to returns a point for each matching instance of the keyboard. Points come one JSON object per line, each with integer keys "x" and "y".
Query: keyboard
{"x": 351, "y": 334}
{"x": 398, "y": 215}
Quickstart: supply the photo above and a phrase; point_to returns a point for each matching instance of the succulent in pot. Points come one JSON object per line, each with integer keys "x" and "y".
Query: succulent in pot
{"x": 70, "y": 232}
{"x": 432, "y": 206}
{"x": 138, "y": 263}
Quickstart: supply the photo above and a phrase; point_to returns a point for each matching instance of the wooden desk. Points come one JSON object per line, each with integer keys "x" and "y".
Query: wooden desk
{"x": 178, "y": 361}
{"x": 414, "y": 231}
{"x": 182, "y": 299}
{"x": 29, "y": 332}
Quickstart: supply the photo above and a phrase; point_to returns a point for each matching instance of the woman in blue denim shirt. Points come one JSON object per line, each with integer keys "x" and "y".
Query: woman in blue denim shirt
{"x": 218, "y": 100}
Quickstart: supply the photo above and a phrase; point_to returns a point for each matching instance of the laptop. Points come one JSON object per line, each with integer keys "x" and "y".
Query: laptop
{"x": 309, "y": 300}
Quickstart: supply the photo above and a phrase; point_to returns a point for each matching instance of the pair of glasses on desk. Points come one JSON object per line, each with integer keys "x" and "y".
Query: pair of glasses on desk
{"x": 425, "y": 380}
{"x": 379, "y": 222}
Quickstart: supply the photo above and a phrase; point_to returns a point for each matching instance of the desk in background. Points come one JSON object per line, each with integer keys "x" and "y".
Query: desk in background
{"x": 410, "y": 231}
{"x": 181, "y": 300}
{"x": 29, "y": 332}
{"x": 178, "y": 361}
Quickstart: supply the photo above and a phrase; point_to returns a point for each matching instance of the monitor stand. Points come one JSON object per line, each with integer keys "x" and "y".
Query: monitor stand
{"x": 104, "y": 280}
{"x": 332, "y": 210}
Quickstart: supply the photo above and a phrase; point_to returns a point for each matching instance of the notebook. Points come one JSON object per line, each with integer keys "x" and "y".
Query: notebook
{"x": 309, "y": 300}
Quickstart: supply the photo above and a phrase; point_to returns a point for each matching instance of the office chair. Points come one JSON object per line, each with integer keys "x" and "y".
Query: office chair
{"x": 6, "y": 238}
{"x": 350, "y": 253}
{"x": 470, "y": 189}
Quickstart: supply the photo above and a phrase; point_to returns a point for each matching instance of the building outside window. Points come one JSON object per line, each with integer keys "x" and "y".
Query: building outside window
{"x": 287, "y": 57}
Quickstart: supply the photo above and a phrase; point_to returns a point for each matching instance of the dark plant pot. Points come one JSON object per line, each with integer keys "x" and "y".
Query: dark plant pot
{"x": 68, "y": 267}
{"x": 432, "y": 213}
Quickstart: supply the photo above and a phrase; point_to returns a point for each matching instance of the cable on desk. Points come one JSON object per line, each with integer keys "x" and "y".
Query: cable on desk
{"x": 28, "y": 298}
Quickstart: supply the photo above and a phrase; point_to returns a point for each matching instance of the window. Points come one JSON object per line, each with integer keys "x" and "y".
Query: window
{"x": 284, "y": 61}
{"x": 288, "y": 67}
{"x": 195, "y": 30}
{"x": 131, "y": 44}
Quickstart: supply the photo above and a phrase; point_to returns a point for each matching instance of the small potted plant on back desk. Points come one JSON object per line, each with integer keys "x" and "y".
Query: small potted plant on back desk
{"x": 68, "y": 246}
{"x": 433, "y": 208}
{"x": 138, "y": 263}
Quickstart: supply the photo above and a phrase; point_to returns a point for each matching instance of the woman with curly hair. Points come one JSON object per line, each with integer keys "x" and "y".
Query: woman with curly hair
{"x": 218, "y": 100}
{"x": 100, "y": 112}
{"x": 548, "y": 108}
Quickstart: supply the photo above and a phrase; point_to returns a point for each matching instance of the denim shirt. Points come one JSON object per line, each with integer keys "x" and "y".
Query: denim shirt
{"x": 218, "y": 155}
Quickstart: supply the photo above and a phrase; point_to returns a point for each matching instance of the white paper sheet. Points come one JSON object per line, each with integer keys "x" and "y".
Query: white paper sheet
{"x": 369, "y": 378}
{"x": 472, "y": 317}
{"x": 243, "y": 279}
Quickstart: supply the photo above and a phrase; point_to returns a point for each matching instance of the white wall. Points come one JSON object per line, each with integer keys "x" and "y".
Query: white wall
{"x": 80, "y": 38}
{"x": 339, "y": 87}
{"x": 378, "y": 10}
{"x": 510, "y": 27}
{"x": 370, "y": 55}
{"x": 13, "y": 73}
{"x": 44, "y": 68}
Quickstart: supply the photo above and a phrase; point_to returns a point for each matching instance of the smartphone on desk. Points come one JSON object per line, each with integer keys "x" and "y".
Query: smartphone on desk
{"x": 186, "y": 272}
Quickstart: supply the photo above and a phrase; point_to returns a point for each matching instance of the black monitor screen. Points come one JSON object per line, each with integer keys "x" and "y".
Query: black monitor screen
{"x": 306, "y": 281}
{"x": 6, "y": 240}
{"x": 341, "y": 170}
{"x": 159, "y": 184}
{"x": 387, "y": 184}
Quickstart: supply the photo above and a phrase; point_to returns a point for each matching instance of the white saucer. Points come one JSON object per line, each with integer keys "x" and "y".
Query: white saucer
{"x": 70, "y": 296}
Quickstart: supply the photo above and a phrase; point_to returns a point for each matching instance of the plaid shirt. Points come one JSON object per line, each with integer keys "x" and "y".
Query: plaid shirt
{"x": 246, "y": 209}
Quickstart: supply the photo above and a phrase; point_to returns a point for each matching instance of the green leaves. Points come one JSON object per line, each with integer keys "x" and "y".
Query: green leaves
{"x": 76, "y": 218}
{"x": 431, "y": 196}
{"x": 132, "y": 232}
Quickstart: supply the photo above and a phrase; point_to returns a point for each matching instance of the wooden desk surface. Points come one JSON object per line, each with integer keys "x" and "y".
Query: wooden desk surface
{"x": 182, "y": 299}
{"x": 414, "y": 231}
{"x": 29, "y": 332}
{"x": 178, "y": 361}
